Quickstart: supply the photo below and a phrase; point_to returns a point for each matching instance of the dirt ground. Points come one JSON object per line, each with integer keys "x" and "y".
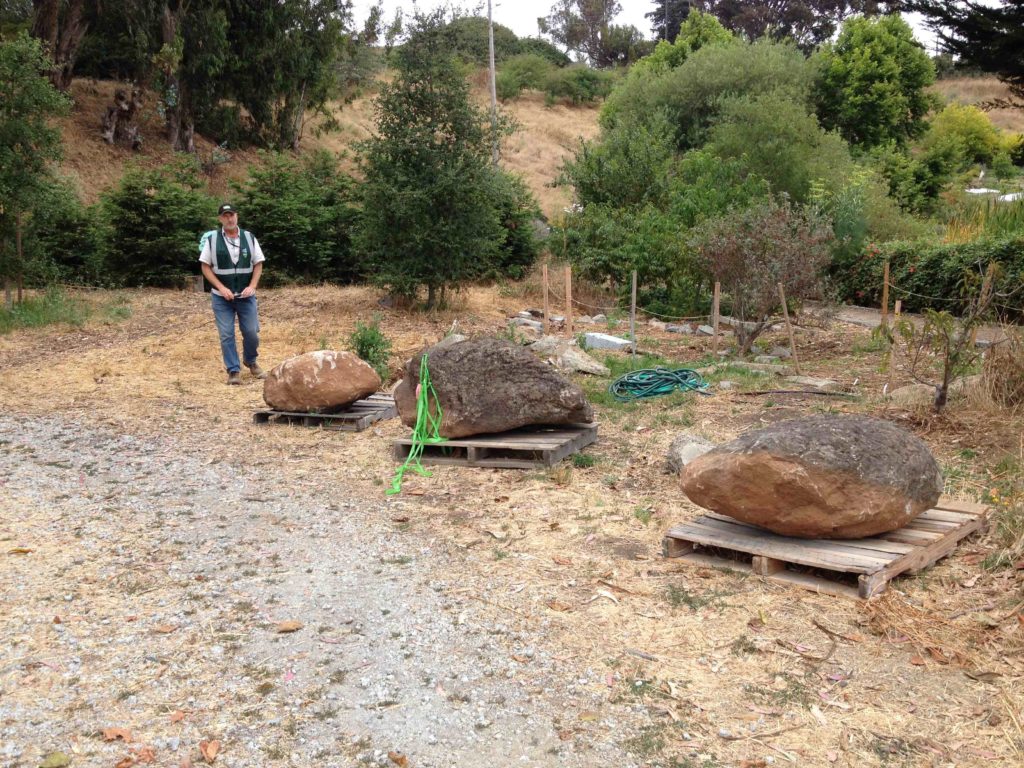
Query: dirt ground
{"x": 619, "y": 648}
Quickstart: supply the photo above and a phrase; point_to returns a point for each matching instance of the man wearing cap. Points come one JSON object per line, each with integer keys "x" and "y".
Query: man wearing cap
{"x": 232, "y": 262}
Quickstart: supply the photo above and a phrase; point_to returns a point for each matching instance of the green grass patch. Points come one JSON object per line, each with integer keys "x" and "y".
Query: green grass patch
{"x": 55, "y": 306}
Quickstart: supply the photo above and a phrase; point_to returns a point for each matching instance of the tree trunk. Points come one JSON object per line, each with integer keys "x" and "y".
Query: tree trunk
{"x": 180, "y": 125}
{"x": 19, "y": 255}
{"x": 431, "y": 295}
{"x": 8, "y": 296}
{"x": 62, "y": 33}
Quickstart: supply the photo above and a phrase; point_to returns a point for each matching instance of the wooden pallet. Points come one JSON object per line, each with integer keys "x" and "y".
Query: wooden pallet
{"x": 875, "y": 561}
{"x": 355, "y": 418}
{"x": 526, "y": 448}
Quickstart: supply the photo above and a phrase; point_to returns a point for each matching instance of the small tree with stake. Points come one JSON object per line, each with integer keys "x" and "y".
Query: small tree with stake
{"x": 752, "y": 251}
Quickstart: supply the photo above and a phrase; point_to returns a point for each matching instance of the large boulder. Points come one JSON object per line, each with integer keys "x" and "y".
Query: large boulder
{"x": 491, "y": 385}
{"x": 319, "y": 382}
{"x": 836, "y": 477}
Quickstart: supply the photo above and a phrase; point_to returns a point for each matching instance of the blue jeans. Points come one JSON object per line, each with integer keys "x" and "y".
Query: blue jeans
{"x": 224, "y": 312}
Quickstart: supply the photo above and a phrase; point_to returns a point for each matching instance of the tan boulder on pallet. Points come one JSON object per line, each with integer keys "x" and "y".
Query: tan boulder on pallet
{"x": 491, "y": 385}
{"x": 319, "y": 382}
{"x": 832, "y": 477}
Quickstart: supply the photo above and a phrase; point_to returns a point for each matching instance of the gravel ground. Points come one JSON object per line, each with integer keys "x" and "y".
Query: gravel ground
{"x": 154, "y": 594}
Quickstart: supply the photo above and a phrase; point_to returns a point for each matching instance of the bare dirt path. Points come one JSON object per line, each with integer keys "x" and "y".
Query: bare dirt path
{"x": 152, "y": 598}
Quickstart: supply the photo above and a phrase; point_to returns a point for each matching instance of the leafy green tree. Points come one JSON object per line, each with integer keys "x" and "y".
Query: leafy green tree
{"x": 667, "y": 16}
{"x": 779, "y": 140}
{"x": 585, "y": 27}
{"x": 873, "y": 82}
{"x": 986, "y": 36}
{"x": 698, "y": 30}
{"x": 970, "y": 127}
{"x": 430, "y": 216}
{"x": 29, "y": 145}
{"x": 690, "y": 95}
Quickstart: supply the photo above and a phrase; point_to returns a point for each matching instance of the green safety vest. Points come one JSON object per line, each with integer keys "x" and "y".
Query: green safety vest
{"x": 235, "y": 277}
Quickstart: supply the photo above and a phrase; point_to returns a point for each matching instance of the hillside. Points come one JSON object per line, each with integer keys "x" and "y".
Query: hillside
{"x": 545, "y": 136}
{"x": 978, "y": 90}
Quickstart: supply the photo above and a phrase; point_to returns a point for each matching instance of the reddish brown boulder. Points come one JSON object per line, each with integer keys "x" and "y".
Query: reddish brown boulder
{"x": 835, "y": 477}
{"x": 491, "y": 385}
{"x": 319, "y": 382}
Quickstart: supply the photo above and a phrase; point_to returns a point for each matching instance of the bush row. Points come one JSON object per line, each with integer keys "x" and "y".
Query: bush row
{"x": 305, "y": 213}
{"x": 935, "y": 276}
{"x": 578, "y": 84}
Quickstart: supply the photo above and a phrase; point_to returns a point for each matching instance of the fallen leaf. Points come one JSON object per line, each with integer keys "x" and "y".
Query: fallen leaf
{"x": 521, "y": 658}
{"x": 291, "y": 625}
{"x": 177, "y": 716}
{"x": 757, "y": 762}
{"x": 145, "y": 754}
{"x": 209, "y": 750}
{"x": 968, "y": 583}
{"x": 589, "y": 717}
{"x": 562, "y": 560}
{"x": 398, "y": 759}
{"x": 558, "y": 605}
{"x": 55, "y": 760}
{"x": 499, "y": 535}
{"x": 125, "y": 762}
{"x": 816, "y": 713}
{"x": 402, "y": 519}
{"x": 831, "y": 755}
{"x": 604, "y": 593}
{"x": 186, "y": 762}
{"x": 980, "y": 676}
{"x": 165, "y": 629}
{"x": 19, "y": 551}
{"x": 113, "y": 734}
{"x": 938, "y": 655}
{"x": 917, "y": 661}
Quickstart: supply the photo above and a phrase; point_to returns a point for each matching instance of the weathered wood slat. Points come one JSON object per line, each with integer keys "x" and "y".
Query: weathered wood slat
{"x": 875, "y": 561}
{"x": 517, "y": 449}
{"x": 355, "y": 418}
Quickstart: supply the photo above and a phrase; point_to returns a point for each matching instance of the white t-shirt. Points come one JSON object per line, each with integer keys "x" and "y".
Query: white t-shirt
{"x": 210, "y": 249}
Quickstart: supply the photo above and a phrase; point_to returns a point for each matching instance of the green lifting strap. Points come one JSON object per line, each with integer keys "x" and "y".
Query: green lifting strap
{"x": 426, "y": 431}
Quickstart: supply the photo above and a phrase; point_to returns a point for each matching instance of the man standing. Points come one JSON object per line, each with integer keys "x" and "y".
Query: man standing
{"x": 232, "y": 262}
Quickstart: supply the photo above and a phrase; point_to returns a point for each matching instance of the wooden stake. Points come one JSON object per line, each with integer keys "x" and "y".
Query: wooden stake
{"x": 986, "y": 287}
{"x": 714, "y": 317}
{"x": 789, "y": 328}
{"x": 892, "y": 347}
{"x": 632, "y": 318}
{"x": 568, "y": 299}
{"x": 885, "y": 293}
{"x": 544, "y": 277}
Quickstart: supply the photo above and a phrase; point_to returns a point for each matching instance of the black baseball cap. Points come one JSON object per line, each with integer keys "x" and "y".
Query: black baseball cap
{"x": 226, "y": 208}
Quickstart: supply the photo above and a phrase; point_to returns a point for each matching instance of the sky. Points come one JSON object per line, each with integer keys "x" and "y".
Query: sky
{"x": 521, "y": 15}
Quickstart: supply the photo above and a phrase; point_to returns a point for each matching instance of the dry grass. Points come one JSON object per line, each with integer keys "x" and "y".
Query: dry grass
{"x": 545, "y": 137}
{"x": 979, "y": 90}
{"x": 1003, "y": 371}
{"x": 570, "y": 556}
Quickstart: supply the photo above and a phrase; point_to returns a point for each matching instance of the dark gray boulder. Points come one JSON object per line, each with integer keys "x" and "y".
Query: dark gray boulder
{"x": 823, "y": 476}
{"x": 491, "y": 385}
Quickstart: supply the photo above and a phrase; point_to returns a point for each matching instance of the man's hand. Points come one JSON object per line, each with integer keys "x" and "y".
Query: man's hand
{"x": 247, "y": 292}
{"x": 225, "y": 293}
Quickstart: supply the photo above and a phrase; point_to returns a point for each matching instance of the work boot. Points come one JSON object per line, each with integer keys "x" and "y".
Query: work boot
{"x": 234, "y": 377}
{"x": 256, "y": 371}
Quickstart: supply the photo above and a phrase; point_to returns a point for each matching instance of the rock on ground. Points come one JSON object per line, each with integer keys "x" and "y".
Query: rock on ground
{"x": 819, "y": 477}
{"x": 684, "y": 449}
{"x": 491, "y": 385}
{"x": 565, "y": 356}
{"x": 319, "y": 382}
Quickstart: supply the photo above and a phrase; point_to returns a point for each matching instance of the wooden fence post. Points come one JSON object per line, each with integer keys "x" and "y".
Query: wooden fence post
{"x": 632, "y": 318}
{"x": 568, "y": 299}
{"x": 714, "y": 317}
{"x": 892, "y": 346}
{"x": 789, "y": 328}
{"x": 885, "y": 293}
{"x": 544, "y": 277}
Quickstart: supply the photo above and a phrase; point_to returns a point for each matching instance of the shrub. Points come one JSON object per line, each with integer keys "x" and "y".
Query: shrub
{"x": 933, "y": 275}
{"x": 517, "y": 210}
{"x": 372, "y": 346}
{"x": 579, "y": 84}
{"x": 970, "y": 127}
{"x": 754, "y": 250}
{"x": 526, "y": 71}
{"x": 153, "y": 220}
{"x": 303, "y": 215}
{"x": 543, "y": 48}
{"x": 63, "y": 238}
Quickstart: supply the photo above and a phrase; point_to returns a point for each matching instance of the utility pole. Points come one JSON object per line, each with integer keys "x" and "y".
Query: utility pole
{"x": 494, "y": 90}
